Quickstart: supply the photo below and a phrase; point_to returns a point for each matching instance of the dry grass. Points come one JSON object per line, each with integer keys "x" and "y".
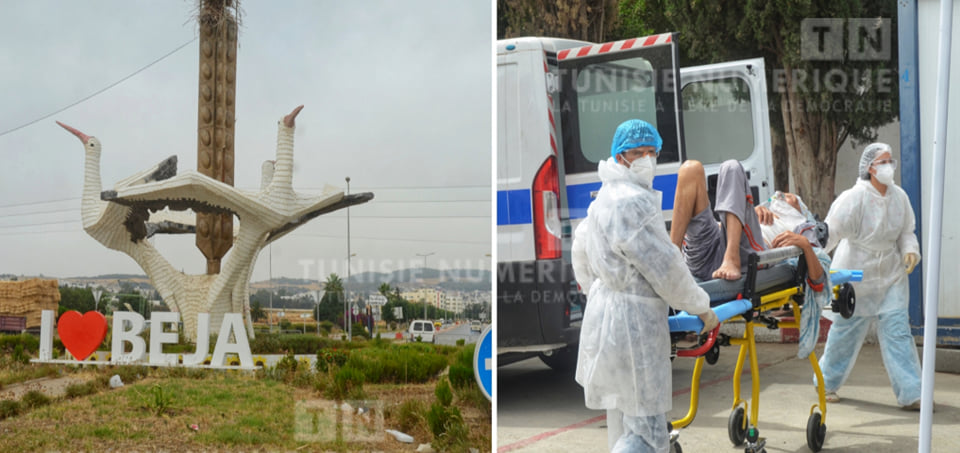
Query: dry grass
{"x": 234, "y": 412}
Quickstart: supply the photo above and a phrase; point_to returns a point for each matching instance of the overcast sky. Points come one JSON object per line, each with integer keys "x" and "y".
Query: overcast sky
{"x": 397, "y": 96}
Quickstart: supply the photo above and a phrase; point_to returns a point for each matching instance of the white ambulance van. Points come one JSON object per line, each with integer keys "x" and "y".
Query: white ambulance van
{"x": 558, "y": 104}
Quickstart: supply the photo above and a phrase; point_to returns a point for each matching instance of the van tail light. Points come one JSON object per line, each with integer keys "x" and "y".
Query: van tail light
{"x": 546, "y": 210}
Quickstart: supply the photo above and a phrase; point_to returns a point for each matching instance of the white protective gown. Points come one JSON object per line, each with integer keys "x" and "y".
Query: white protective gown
{"x": 874, "y": 232}
{"x": 622, "y": 253}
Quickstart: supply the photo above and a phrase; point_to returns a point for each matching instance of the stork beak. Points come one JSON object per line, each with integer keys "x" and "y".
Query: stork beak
{"x": 83, "y": 137}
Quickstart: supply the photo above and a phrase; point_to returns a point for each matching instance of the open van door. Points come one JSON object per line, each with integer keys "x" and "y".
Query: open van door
{"x": 603, "y": 85}
{"x": 726, "y": 116}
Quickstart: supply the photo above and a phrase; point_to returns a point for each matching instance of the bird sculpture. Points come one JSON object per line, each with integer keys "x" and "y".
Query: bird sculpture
{"x": 152, "y": 201}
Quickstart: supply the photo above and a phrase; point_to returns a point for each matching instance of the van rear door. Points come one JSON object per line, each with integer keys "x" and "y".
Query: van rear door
{"x": 726, "y": 116}
{"x": 603, "y": 85}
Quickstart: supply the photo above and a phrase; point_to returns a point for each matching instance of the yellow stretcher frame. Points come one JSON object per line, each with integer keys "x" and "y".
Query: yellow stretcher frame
{"x": 748, "y": 351}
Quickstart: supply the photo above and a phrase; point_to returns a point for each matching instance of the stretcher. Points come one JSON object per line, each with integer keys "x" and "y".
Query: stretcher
{"x": 768, "y": 284}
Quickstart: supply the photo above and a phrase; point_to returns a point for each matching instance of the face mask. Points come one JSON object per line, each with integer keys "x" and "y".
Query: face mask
{"x": 644, "y": 168}
{"x": 885, "y": 174}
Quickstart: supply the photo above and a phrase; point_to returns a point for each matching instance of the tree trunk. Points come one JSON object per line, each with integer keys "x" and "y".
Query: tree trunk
{"x": 812, "y": 146}
{"x": 781, "y": 161}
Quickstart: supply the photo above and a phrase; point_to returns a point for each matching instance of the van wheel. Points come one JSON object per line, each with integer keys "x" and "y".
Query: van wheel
{"x": 561, "y": 360}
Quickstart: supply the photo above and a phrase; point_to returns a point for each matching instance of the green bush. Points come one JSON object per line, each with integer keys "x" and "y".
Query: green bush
{"x": 443, "y": 393}
{"x": 131, "y": 373}
{"x": 398, "y": 364}
{"x": 28, "y": 343}
{"x": 34, "y": 399}
{"x": 78, "y": 390}
{"x": 359, "y": 330}
{"x": 461, "y": 342}
{"x": 410, "y": 414}
{"x": 9, "y": 408}
{"x": 461, "y": 377}
{"x": 285, "y": 324}
{"x": 439, "y": 418}
{"x": 347, "y": 384}
{"x": 329, "y": 357}
{"x": 20, "y": 356}
{"x": 326, "y": 327}
{"x": 287, "y": 364}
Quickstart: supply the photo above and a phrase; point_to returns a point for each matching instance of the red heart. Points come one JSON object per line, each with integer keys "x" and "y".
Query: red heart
{"x": 82, "y": 334}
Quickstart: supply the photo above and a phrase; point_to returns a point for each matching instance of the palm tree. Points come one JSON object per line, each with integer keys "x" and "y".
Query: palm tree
{"x": 331, "y": 306}
{"x": 384, "y": 289}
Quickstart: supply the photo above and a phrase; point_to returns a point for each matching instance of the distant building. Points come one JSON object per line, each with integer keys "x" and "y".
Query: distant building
{"x": 25, "y": 300}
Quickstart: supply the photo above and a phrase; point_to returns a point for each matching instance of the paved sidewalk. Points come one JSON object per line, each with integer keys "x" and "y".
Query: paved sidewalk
{"x": 867, "y": 419}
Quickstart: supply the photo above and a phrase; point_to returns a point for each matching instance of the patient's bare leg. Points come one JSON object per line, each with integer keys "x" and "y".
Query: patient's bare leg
{"x": 730, "y": 268}
{"x": 691, "y": 198}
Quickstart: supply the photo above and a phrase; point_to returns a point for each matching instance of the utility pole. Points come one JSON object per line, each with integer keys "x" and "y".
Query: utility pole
{"x": 346, "y": 295}
{"x": 423, "y": 270}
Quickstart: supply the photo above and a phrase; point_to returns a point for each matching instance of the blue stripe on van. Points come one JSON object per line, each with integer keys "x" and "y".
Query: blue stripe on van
{"x": 514, "y": 207}
{"x": 579, "y": 198}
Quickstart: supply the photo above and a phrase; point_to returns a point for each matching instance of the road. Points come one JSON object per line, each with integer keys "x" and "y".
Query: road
{"x": 449, "y": 335}
{"x": 541, "y": 410}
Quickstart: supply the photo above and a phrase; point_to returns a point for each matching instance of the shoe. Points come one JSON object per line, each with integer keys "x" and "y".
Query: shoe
{"x": 915, "y": 406}
{"x": 832, "y": 397}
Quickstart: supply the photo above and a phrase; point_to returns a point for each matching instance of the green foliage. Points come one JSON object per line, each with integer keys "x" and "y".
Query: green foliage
{"x": 330, "y": 358}
{"x": 20, "y": 356}
{"x": 359, "y": 330}
{"x": 285, "y": 324}
{"x": 440, "y": 418}
{"x": 398, "y": 364}
{"x": 326, "y": 326}
{"x": 9, "y": 408}
{"x": 347, "y": 384}
{"x": 443, "y": 393}
{"x": 411, "y": 414}
{"x": 287, "y": 364}
{"x": 268, "y": 343}
{"x": 257, "y": 312}
{"x": 158, "y": 401}
{"x": 461, "y": 376}
{"x": 81, "y": 389}
{"x": 27, "y": 343}
{"x": 34, "y": 399}
{"x": 461, "y": 342}
{"x": 131, "y": 373}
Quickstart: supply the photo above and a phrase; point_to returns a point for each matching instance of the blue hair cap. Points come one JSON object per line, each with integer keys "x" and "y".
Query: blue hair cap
{"x": 635, "y": 133}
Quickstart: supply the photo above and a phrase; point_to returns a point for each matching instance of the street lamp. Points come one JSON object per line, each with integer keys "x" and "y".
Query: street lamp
{"x": 422, "y": 271}
{"x": 346, "y": 302}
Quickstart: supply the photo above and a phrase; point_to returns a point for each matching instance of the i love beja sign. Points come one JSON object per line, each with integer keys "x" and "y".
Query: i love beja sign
{"x": 83, "y": 334}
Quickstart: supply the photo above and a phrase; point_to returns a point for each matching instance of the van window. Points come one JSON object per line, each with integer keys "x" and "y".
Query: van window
{"x": 428, "y": 327}
{"x": 717, "y": 120}
{"x": 599, "y": 92}
{"x": 608, "y": 94}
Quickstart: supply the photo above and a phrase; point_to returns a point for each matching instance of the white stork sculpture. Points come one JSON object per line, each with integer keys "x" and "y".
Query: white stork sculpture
{"x": 121, "y": 220}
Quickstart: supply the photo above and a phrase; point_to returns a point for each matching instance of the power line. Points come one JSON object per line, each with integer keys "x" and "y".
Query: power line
{"x": 99, "y": 91}
{"x": 31, "y": 203}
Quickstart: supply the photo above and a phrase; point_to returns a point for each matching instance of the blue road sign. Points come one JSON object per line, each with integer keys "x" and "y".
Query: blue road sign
{"x": 483, "y": 362}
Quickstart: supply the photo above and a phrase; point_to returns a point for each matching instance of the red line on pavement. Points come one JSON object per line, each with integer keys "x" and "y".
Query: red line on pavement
{"x": 548, "y": 434}
{"x": 541, "y": 436}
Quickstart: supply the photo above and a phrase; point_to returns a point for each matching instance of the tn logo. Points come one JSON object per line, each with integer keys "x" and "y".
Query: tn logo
{"x": 866, "y": 39}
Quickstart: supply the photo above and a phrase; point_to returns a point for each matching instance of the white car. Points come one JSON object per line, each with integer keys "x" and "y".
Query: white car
{"x": 475, "y": 326}
{"x": 422, "y": 328}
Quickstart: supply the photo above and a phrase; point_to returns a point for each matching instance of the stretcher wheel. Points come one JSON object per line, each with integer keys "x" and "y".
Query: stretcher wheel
{"x": 736, "y": 426}
{"x": 816, "y": 432}
{"x": 713, "y": 354}
{"x": 676, "y": 448}
{"x": 847, "y": 300}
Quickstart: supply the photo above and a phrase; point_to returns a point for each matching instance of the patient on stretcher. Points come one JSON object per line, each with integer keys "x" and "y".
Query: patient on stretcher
{"x": 715, "y": 252}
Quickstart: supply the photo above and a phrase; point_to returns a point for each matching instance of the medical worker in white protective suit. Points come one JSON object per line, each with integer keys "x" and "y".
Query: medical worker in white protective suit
{"x": 624, "y": 261}
{"x": 874, "y": 226}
